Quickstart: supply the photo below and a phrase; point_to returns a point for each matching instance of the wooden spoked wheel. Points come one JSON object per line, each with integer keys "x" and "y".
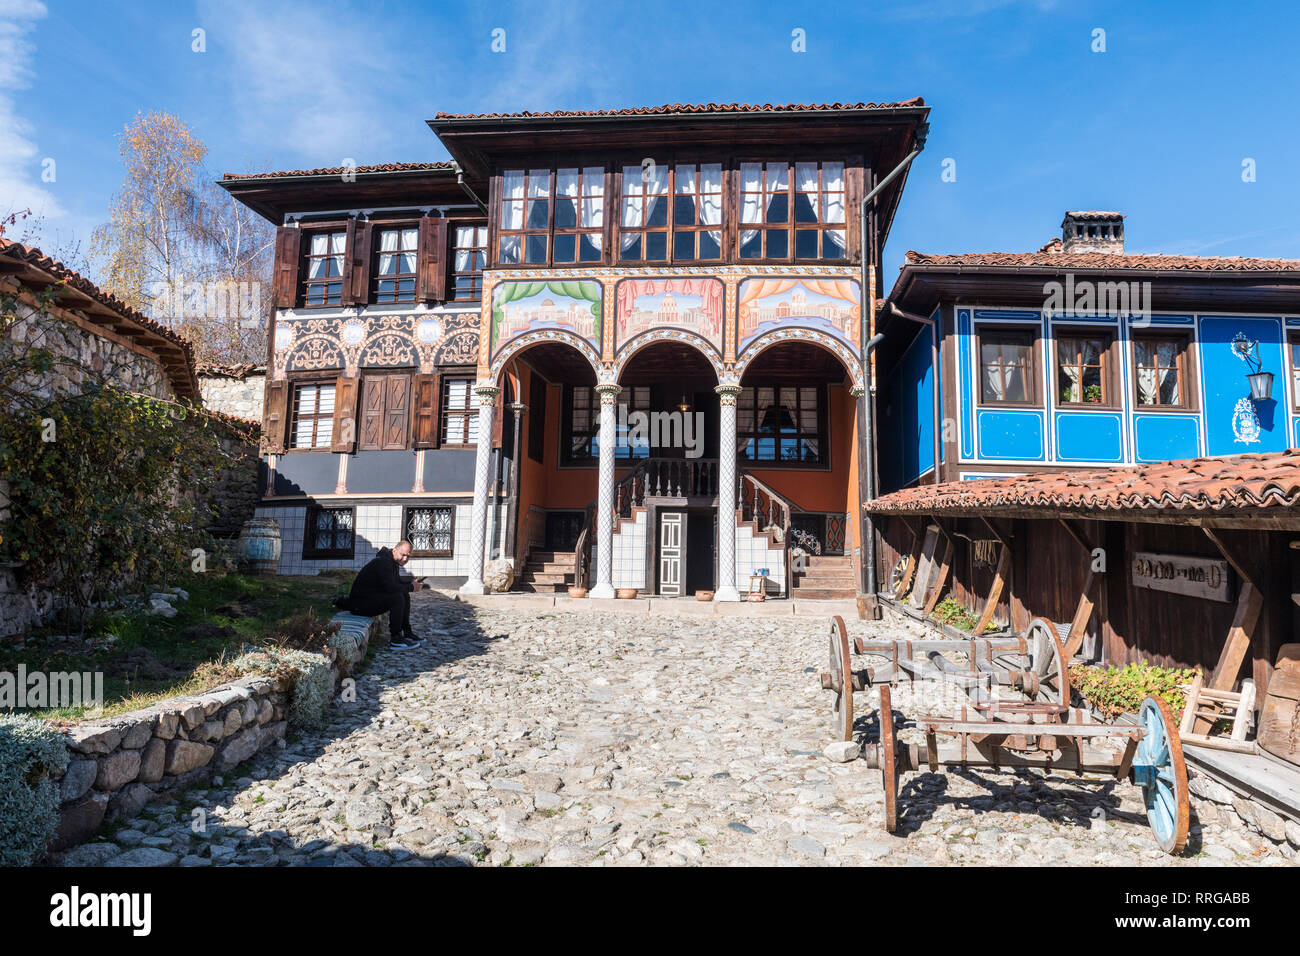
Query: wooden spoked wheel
{"x": 1160, "y": 771}
{"x": 888, "y": 759}
{"x": 1048, "y": 662}
{"x": 897, "y": 577}
{"x": 841, "y": 681}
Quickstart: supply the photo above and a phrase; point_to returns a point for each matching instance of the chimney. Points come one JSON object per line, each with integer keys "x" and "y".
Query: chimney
{"x": 1090, "y": 231}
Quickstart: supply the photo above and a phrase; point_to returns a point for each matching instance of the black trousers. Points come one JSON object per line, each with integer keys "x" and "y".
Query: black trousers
{"x": 397, "y": 605}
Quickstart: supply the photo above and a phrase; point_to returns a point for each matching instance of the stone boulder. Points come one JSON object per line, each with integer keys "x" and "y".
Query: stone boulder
{"x": 498, "y": 575}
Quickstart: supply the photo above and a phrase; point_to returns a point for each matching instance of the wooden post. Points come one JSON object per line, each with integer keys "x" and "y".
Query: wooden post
{"x": 995, "y": 591}
{"x": 1082, "y": 614}
{"x": 945, "y": 565}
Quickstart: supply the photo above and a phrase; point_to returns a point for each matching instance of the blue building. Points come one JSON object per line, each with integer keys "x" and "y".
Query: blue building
{"x": 1080, "y": 355}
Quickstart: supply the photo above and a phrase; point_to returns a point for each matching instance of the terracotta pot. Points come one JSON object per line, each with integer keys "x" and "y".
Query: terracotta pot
{"x": 626, "y": 594}
{"x": 756, "y": 598}
{"x": 704, "y": 595}
{"x": 577, "y": 592}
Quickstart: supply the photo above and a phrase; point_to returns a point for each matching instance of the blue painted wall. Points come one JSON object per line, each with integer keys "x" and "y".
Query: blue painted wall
{"x": 910, "y": 417}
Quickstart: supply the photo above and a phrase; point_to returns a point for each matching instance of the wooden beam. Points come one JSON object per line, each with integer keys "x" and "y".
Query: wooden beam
{"x": 1249, "y": 603}
{"x": 1082, "y": 614}
{"x": 1076, "y": 533}
{"x": 910, "y": 570}
{"x": 945, "y": 566}
{"x": 1241, "y": 562}
{"x": 995, "y": 590}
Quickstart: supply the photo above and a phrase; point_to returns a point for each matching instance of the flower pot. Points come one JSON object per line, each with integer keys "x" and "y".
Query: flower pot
{"x": 259, "y": 546}
{"x": 704, "y": 595}
{"x": 757, "y": 597}
{"x": 577, "y": 592}
{"x": 626, "y": 594}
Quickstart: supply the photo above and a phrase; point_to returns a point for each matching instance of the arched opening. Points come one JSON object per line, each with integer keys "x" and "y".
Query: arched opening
{"x": 796, "y": 436}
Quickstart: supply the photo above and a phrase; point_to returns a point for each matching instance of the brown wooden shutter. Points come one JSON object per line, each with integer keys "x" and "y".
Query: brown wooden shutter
{"x": 498, "y": 417}
{"x": 425, "y": 412}
{"x": 343, "y": 437}
{"x": 349, "y": 261}
{"x": 372, "y": 413}
{"x": 275, "y": 415}
{"x": 287, "y": 252}
{"x": 431, "y": 285}
{"x": 397, "y": 411}
{"x": 359, "y": 244}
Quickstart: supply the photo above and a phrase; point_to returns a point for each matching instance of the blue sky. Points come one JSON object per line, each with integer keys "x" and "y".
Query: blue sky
{"x": 1156, "y": 126}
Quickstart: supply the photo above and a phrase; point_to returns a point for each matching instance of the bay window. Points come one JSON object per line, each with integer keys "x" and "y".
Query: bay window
{"x": 579, "y": 214}
{"x": 793, "y": 211}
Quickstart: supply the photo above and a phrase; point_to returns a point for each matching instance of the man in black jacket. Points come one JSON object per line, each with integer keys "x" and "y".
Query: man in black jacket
{"x": 379, "y": 588}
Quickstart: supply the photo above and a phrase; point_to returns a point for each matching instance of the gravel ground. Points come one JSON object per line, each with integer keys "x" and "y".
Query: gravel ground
{"x": 514, "y": 738}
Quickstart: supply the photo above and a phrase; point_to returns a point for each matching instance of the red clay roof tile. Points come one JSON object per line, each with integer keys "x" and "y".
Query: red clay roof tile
{"x": 1046, "y": 258}
{"x": 691, "y": 108}
{"x": 1265, "y": 480}
{"x": 340, "y": 170}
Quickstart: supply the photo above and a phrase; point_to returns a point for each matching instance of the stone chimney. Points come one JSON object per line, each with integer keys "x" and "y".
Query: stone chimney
{"x": 1092, "y": 232}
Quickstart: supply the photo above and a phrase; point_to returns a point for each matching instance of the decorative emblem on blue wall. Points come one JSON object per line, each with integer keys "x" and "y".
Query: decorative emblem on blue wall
{"x": 1245, "y": 423}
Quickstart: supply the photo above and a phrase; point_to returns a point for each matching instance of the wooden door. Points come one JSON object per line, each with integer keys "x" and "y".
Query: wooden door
{"x": 672, "y": 553}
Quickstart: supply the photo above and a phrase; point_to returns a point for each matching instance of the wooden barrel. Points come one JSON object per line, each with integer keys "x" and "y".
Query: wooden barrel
{"x": 259, "y": 546}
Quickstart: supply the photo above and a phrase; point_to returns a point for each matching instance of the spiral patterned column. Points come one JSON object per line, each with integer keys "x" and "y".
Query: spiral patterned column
{"x": 726, "y": 589}
{"x": 487, "y": 394}
{"x": 605, "y": 495}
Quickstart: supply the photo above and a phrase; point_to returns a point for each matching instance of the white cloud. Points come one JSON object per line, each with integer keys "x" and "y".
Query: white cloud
{"x": 20, "y": 160}
{"x": 308, "y": 76}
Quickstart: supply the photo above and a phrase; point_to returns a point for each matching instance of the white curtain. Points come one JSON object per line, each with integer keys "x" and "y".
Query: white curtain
{"x": 751, "y": 190}
{"x": 833, "y": 192}
{"x": 388, "y": 246}
{"x": 705, "y": 184}
{"x": 327, "y": 255}
{"x": 644, "y": 190}
{"x": 512, "y": 194}
{"x": 592, "y": 214}
{"x": 805, "y": 175}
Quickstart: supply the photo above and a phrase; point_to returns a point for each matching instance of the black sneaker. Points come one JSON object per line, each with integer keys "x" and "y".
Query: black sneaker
{"x": 405, "y": 643}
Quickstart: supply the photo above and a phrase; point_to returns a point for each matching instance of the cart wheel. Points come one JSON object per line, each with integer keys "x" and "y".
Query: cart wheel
{"x": 841, "y": 674}
{"x": 896, "y": 577}
{"x": 888, "y": 765}
{"x": 1163, "y": 775}
{"x": 1049, "y": 662}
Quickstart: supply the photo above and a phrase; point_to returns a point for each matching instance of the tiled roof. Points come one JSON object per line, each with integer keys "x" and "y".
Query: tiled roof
{"x": 180, "y": 369}
{"x": 1198, "y": 485}
{"x": 1087, "y": 214}
{"x": 340, "y": 170}
{"x": 693, "y": 108}
{"x": 215, "y": 370}
{"x": 1046, "y": 258}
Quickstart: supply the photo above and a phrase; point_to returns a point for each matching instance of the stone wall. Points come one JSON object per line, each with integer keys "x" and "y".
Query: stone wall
{"x": 1215, "y": 803}
{"x": 238, "y": 392}
{"x": 235, "y": 493}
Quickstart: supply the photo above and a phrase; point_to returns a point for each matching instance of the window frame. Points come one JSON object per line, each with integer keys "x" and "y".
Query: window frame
{"x": 698, "y": 229}
{"x": 524, "y": 232}
{"x": 309, "y": 550}
{"x": 305, "y": 257}
{"x": 1293, "y": 368}
{"x": 378, "y": 227}
{"x": 1110, "y": 395}
{"x": 468, "y": 410}
{"x": 791, "y": 227}
{"x": 822, "y": 435}
{"x": 1033, "y": 389}
{"x": 475, "y": 275}
{"x": 567, "y": 392}
{"x": 291, "y": 436}
{"x": 451, "y": 530}
{"x": 1186, "y": 372}
{"x": 577, "y": 231}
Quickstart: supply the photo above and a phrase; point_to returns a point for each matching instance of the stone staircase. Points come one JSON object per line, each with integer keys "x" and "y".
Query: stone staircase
{"x": 825, "y": 578}
{"x": 547, "y": 572}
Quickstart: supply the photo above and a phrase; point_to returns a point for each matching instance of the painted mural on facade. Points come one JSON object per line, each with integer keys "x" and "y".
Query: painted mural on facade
{"x": 692, "y": 304}
{"x": 520, "y": 307}
{"x": 827, "y": 305}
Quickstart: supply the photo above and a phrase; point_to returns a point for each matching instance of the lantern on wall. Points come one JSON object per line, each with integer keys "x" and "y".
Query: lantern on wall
{"x": 1261, "y": 382}
{"x": 1261, "y": 385}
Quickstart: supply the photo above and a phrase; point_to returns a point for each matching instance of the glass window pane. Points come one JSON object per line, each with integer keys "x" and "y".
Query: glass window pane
{"x": 564, "y": 248}
{"x": 539, "y": 182}
{"x": 778, "y": 244}
{"x": 805, "y": 244}
{"x": 656, "y": 246}
{"x": 535, "y": 250}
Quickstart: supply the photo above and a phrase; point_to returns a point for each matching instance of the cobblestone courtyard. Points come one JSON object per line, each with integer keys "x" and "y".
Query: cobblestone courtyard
{"x": 518, "y": 738}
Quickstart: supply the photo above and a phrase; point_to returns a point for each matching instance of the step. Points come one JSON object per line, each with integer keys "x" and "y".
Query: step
{"x": 530, "y": 588}
{"x": 533, "y": 577}
{"x": 550, "y": 567}
{"x": 829, "y": 561}
{"x": 552, "y": 557}
{"x": 824, "y": 594}
{"x": 825, "y": 579}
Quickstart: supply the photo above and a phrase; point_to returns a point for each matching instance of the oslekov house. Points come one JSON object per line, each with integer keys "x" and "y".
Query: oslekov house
{"x": 653, "y": 350}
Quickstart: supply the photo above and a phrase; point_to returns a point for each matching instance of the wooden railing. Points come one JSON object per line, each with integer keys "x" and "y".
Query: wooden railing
{"x": 770, "y": 512}
{"x": 532, "y": 534}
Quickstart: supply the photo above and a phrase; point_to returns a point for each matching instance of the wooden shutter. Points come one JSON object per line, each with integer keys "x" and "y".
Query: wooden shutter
{"x": 344, "y": 435}
{"x": 287, "y": 252}
{"x": 359, "y": 243}
{"x": 397, "y": 411}
{"x": 372, "y": 413}
{"x": 425, "y": 411}
{"x": 349, "y": 261}
{"x": 431, "y": 284}
{"x": 275, "y": 413}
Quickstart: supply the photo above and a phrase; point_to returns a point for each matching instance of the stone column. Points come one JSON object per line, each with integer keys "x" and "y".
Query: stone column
{"x": 487, "y": 394}
{"x": 726, "y": 590}
{"x": 605, "y": 494}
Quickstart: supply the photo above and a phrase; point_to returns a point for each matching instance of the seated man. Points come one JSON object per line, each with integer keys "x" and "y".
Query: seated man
{"x": 380, "y": 589}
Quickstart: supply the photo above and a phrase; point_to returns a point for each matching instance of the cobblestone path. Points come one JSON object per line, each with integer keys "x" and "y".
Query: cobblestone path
{"x": 514, "y": 738}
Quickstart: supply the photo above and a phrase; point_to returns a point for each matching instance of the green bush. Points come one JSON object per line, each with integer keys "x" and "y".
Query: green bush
{"x": 311, "y": 685}
{"x": 30, "y": 752}
{"x": 1121, "y": 690}
{"x": 949, "y": 611}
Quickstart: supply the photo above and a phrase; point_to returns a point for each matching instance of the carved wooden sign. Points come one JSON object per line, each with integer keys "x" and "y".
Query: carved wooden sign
{"x": 1181, "y": 574}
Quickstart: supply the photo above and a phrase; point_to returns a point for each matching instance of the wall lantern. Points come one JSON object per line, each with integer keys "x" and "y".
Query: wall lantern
{"x": 1261, "y": 382}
